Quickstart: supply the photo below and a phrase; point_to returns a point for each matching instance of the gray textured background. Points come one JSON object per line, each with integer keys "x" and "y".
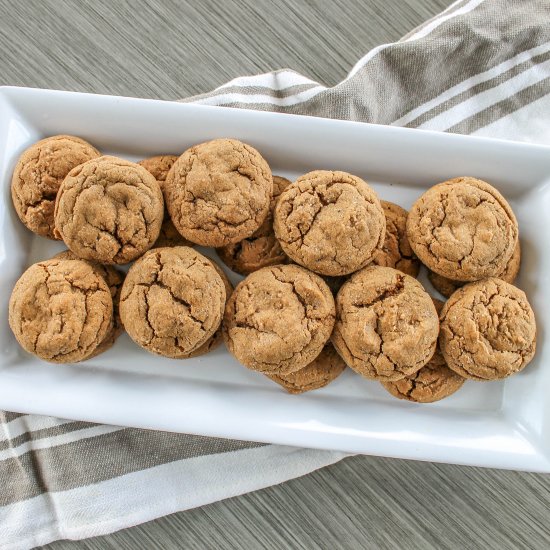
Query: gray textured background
{"x": 174, "y": 49}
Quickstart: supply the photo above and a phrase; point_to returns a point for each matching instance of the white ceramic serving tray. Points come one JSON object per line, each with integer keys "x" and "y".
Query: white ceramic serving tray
{"x": 500, "y": 424}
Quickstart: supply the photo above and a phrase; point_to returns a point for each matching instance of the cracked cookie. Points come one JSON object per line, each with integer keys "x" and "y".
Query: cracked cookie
{"x": 37, "y": 177}
{"x": 216, "y": 339}
{"x": 386, "y": 324}
{"x": 330, "y": 222}
{"x": 448, "y": 286}
{"x": 261, "y": 249}
{"x": 325, "y": 368}
{"x": 114, "y": 279}
{"x": 278, "y": 319}
{"x": 218, "y": 192}
{"x": 159, "y": 166}
{"x": 396, "y": 251}
{"x": 463, "y": 229}
{"x": 60, "y": 310}
{"x": 172, "y": 301}
{"x": 433, "y": 382}
{"x": 488, "y": 330}
{"x": 109, "y": 210}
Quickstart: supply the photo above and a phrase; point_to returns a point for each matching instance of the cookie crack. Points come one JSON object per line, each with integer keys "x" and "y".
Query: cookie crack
{"x": 146, "y": 318}
{"x": 45, "y": 197}
{"x": 176, "y": 299}
{"x": 393, "y": 291}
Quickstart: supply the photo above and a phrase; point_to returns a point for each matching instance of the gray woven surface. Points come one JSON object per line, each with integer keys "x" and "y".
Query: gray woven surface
{"x": 173, "y": 49}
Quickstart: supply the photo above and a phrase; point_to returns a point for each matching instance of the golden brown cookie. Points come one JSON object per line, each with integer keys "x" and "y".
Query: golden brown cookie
{"x": 330, "y": 222}
{"x": 159, "y": 166}
{"x": 114, "y": 279}
{"x": 386, "y": 324}
{"x": 261, "y": 249}
{"x": 397, "y": 251}
{"x": 37, "y": 177}
{"x": 488, "y": 330}
{"x": 433, "y": 382}
{"x": 278, "y": 319}
{"x": 463, "y": 229}
{"x": 325, "y": 368}
{"x": 109, "y": 210}
{"x": 448, "y": 286}
{"x": 60, "y": 310}
{"x": 219, "y": 192}
{"x": 216, "y": 339}
{"x": 172, "y": 301}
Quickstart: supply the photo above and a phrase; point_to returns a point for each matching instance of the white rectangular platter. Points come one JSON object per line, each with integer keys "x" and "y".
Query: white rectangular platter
{"x": 499, "y": 424}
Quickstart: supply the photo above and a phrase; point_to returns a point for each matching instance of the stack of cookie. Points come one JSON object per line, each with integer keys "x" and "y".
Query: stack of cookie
{"x": 467, "y": 235}
{"x": 386, "y": 326}
{"x": 330, "y": 269}
{"x": 108, "y": 212}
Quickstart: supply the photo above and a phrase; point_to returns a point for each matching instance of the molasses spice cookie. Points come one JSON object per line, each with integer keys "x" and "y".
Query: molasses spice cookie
{"x": 109, "y": 210}
{"x": 172, "y": 301}
{"x": 219, "y": 192}
{"x": 386, "y": 324}
{"x": 159, "y": 166}
{"x": 325, "y": 368}
{"x": 463, "y": 229}
{"x": 488, "y": 330}
{"x": 260, "y": 249}
{"x": 330, "y": 222}
{"x": 278, "y": 319}
{"x": 38, "y": 175}
{"x": 61, "y": 310}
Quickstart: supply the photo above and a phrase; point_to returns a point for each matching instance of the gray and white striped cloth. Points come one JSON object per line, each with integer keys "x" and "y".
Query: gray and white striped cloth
{"x": 481, "y": 67}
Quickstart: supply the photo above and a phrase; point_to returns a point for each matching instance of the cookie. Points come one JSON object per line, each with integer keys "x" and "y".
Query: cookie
{"x": 172, "y": 301}
{"x": 463, "y": 229}
{"x": 330, "y": 222}
{"x": 37, "y": 177}
{"x": 278, "y": 319}
{"x": 114, "y": 279}
{"x": 325, "y": 368}
{"x": 261, "y": 249}
{"x": 216, "y": 339}
{"x": 109, "y": 210}
{"x": 488, "y": 330}
{"x": 396, "y": 251}
{"x": 386, "y": 324}
{"x": 61, "y": 310}
{"x": 218, "y": 192}
{"x": 433, "y": 382}
{"x": 159, "y": 167}
{"x": 448, "y": 286}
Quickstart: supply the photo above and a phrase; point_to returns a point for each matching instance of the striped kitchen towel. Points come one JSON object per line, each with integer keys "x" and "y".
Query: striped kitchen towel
{"x": 481, "y": 67}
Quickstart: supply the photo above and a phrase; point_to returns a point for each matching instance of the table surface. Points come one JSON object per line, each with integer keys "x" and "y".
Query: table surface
{"x": 169, "y": 49}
